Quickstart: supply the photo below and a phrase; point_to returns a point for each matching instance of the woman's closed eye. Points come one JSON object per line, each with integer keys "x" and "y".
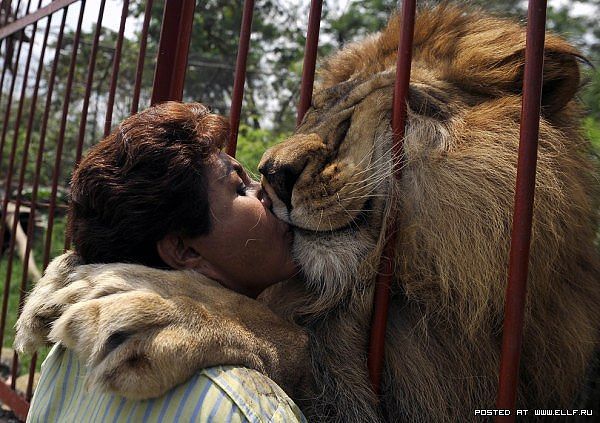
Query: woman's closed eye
{"x": 242, "y": 189}
{"x": 242, "y": 186}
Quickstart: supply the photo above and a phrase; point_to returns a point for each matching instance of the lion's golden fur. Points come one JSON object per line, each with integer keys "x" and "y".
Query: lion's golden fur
{"x": 454, "y": 205}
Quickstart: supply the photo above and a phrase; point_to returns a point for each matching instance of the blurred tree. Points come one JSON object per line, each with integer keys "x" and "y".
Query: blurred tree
{"x": 274, "y": 63}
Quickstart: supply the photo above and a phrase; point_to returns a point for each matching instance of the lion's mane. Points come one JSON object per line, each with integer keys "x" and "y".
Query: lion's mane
{"x": 454, "y": 205}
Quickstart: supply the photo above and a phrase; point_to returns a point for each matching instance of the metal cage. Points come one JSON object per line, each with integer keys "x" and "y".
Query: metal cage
{"x": 169, "y": 75}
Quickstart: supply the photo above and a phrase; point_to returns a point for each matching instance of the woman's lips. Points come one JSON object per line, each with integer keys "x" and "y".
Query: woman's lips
{"x": 266, "y": 200}
{"x": 284, "y": 228}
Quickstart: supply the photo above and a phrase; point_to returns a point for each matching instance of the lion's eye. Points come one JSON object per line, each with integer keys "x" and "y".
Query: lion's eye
{"x": 341, "y": 131}
{"x": 428, "y": 102}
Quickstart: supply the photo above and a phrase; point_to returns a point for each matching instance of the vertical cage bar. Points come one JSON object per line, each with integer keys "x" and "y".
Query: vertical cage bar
{"x": 6, "y": 63}
{"x": 38, "y": 168}
{"x": 86, "y": 96}
{"x": 61, "y": 137}
{"x": 8, "y": 180}
{"x": 139, "y": 72}
{"x": 12, "y": 88}
{"x": 171, "y": 61}
{"x": 386, "y": 266}
{"x": 15, "y": 215}
{"x": 310, "y": 58}
{"x": 42, "y": 139}
{"x": 24, "y": 276}
{"x": 16, "y": 131}
{"x": 514, "y": 309}
{"x": 89, "y": 82}
{"x": 240, "y": 76}
{"x": 115, "y": 69}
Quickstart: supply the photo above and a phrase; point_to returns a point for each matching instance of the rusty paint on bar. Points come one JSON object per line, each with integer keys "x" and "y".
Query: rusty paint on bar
{"x": 115, "y": 70}
{"x": 386, "y": 267}
{"x": 514, "y": 309}
{"x": 240, "y": 76}
{"x": 28, "y": 19}
{"x": 24, "y": 276}
{"x": 139, "y": 72}
{"x": 61, "y": 136}
{"x": 8, "y": 181}
{"x": 310, "y": 58}
{"x": 171, "y": 61}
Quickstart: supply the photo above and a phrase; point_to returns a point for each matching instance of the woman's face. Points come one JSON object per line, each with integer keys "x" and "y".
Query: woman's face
{"x": 247, "y": 246}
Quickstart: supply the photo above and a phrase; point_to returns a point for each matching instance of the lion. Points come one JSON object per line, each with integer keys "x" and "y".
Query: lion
{"x": 333, "y": 181}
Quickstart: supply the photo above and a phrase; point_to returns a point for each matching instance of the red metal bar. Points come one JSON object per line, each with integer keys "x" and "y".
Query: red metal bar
{"x": 8, "y": 182}
{"x": 240, "y": 76}
{"x": 10, "y": 95}
{"x": 6, "y": 63}
{"x": 86, "y": 96}
{"x": 115, "y": 70}
{"x": 42, "y": 142}
{"x": 15, "y": 221}
{"x": 310, "y": 58}
{"x": 89, "y": 82}
{"x": 61, "y": 136}
{"x": 17, "y": 127}
{"x": 171, "y": 61}
{"x": 14, "y": 401}
{"x": 36, "y": 178}
{"x": 141, "y": 58}
{"x": 523, "y": 214}
{"x": 28, "y": 19}
{"x": 32, "y": 369}
{"x": 24, "y": 276}
{"x": 386, "y": 267}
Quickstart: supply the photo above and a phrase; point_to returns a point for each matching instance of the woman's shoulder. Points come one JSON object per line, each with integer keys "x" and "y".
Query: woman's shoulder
{"x": 256, "y": 394}
{"x": 221, "y": 393}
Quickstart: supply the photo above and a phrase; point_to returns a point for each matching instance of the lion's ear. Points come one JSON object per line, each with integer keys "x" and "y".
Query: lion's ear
{"x": 561, "y": 78}
{"x": 492, "y": 62}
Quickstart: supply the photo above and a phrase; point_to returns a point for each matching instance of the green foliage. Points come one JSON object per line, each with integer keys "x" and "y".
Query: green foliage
{"x": 272, "y": 60}
{"x": 592, "y": 131}
{"x": 356, "y": 21}
{"x": 591, "y": 93}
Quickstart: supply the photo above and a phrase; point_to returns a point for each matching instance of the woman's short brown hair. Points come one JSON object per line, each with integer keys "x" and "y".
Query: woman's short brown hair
{"x": 144, "y": 181}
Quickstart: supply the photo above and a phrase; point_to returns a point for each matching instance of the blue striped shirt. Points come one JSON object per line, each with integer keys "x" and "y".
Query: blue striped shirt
{"x": 216, "y": 394}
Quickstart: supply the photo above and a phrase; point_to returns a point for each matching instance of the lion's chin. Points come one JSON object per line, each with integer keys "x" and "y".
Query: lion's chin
{"x": 330, "y": 261}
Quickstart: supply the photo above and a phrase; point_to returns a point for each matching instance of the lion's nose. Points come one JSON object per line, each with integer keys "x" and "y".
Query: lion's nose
{"x": 281, "y": 178}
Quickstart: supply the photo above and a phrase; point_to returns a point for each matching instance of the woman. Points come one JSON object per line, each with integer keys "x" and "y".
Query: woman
{"x": 159, "y": 192}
